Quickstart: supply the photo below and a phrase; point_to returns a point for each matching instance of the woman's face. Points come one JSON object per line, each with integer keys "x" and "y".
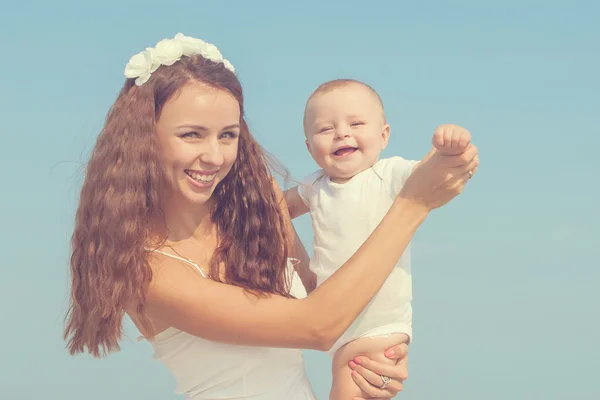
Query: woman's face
{"x": 198, "y": 134}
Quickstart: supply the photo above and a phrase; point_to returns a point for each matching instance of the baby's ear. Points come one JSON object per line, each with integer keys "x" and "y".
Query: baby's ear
{"x": 308, "y": 146}
{"x": 385, "y": 136}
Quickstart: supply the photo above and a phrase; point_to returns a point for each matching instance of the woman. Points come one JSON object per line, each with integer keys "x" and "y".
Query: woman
{"x": 181, "y": 226}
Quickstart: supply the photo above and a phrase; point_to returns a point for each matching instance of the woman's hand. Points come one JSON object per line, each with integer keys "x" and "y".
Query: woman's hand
{"x": 439, "y": 178}
{"x": 368, "y": 373}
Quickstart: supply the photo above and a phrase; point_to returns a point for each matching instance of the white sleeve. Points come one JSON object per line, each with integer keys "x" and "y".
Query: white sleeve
{"x": 395, "y": 171}
{"x": 306, "y": 188}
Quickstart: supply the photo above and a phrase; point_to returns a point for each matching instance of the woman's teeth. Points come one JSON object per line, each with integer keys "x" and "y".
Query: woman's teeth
{"x": 200, "y": 177}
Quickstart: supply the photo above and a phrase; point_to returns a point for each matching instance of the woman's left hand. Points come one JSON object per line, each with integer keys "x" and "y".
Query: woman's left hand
{"x": 368, "y": 373}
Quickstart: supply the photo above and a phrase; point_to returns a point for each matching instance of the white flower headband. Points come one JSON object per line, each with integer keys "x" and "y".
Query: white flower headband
{"x": 167, "y": 52}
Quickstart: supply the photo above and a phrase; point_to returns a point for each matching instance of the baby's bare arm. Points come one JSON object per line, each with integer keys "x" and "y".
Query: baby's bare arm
{"x": 296, "y": 248}
{"x": 296, "y": 206}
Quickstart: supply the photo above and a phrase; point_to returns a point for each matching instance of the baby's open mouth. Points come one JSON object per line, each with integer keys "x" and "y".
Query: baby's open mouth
{"x": 344, "y": 151}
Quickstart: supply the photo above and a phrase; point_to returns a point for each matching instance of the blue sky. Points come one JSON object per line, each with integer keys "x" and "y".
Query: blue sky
{"x": 505, "y": 278}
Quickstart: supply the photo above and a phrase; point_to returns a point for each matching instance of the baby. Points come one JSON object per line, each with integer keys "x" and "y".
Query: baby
{"x": 346, "y": 131}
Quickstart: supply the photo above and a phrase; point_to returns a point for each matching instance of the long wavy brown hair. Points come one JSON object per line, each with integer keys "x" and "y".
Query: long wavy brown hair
{"x": 120, "y": 205}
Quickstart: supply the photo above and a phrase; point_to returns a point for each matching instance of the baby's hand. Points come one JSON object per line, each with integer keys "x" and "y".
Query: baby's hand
{"x": 451, "y": 139}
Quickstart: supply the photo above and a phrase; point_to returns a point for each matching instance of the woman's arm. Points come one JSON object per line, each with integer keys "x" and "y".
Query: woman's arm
{"x": 181, "y": 298}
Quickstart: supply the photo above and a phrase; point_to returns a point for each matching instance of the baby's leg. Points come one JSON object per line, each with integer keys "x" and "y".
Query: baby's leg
{"x": 343, "y": 386}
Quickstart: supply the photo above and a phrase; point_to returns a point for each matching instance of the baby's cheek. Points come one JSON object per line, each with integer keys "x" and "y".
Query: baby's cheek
{"x": 320, "y": 151}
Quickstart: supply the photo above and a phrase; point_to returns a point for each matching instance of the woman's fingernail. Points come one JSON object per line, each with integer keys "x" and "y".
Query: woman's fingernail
{"x": 354, "y": 373}
{"x": 390, "y": 353}
{"x": 352, "y": 364}
{"x": 357, "y": 360}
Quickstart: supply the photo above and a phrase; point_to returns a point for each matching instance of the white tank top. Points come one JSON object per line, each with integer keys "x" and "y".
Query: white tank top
{"x": 210, "y": 370}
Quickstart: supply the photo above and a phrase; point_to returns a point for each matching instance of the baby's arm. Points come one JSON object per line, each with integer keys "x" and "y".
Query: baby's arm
{"x": 296, "y": 208}
{"x": 302, "y": 263}
{"x": 295, "y": 204}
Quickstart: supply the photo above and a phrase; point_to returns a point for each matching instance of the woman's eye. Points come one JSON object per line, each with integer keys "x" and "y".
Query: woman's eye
{"x": 190, "y": 135}
{"x": 229, "y": 135}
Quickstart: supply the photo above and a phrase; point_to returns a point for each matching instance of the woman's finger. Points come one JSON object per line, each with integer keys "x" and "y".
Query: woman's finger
{"x": 476, "y": 160}
{"x": 452, "y": 161}
{"x": 376, "y": 380}
{"x": 396, "y": 372}
{"x": 468, "y": 155}
{"x": 370, "y": 390}
{"x": 469, "y": 166}
{"x": 397, "y": 352}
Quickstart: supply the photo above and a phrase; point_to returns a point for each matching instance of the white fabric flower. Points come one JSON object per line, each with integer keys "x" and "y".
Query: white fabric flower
{"x": 141, "y": 66}
{"x": 167, "y": 52}
{"x": 212, "y": 53}
{"x": 228, "y": 65}
{"x": 190, "y": 45}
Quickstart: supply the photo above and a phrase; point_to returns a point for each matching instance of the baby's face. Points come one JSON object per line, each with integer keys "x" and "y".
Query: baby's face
{"x": 345, "y": 131}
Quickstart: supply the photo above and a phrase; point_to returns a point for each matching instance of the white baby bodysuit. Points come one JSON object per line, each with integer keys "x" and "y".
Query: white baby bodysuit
{"x": 343, "y": 216}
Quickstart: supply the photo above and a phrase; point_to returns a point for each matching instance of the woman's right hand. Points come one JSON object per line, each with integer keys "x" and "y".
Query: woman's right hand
{"x": 439, "y": 178}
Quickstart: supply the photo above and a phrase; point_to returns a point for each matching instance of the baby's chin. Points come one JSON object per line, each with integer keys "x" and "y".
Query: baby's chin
{"x": 338, "y": 176}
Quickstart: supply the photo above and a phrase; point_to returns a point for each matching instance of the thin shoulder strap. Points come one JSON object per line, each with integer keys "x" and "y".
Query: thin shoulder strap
{"x": 185, "y": 260}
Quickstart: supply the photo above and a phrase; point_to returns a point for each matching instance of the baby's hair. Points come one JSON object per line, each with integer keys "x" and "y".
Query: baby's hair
{"x": 331, "y": 85}
{"x": 339, "y": 83}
